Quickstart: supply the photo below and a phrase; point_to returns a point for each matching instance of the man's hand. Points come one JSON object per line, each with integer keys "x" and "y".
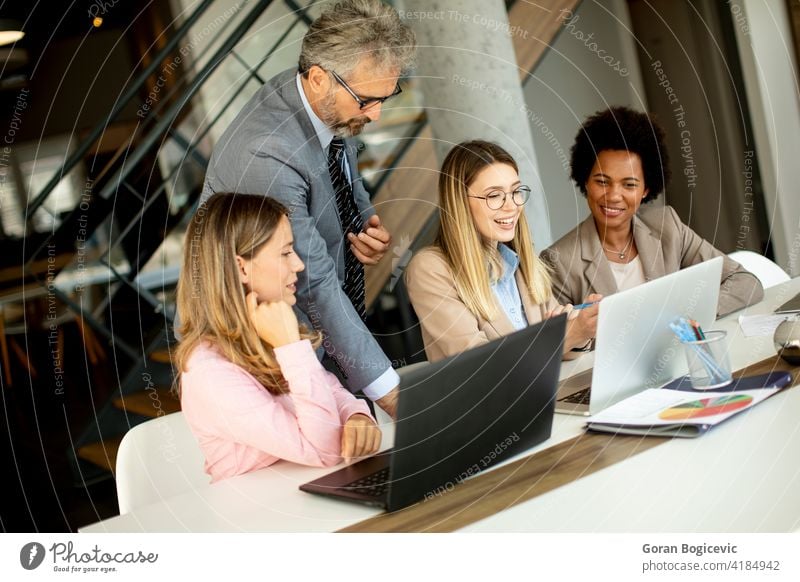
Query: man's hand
{"x": 372, "y": 243}
{"x": 389, "y": 403}
{"x": 360, "y": 437}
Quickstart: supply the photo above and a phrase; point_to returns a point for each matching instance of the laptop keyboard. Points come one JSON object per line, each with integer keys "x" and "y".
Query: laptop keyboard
{"x": 374, "y": 484}
{"x": 579, "y": 397}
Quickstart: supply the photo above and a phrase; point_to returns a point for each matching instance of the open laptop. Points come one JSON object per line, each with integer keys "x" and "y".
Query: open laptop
{"x": 791, "y": 306}
{"x": 459, "y": 416}
{"x": 635, "y": 348}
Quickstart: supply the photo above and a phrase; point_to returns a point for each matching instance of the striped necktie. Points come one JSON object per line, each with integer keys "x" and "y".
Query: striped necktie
{"x": 351, "y": 222}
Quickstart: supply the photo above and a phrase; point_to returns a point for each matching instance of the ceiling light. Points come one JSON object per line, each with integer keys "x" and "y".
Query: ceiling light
{"x": 10, "y": 31}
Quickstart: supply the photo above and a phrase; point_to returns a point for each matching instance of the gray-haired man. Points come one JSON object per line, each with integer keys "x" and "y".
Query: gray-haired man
{"x": 287, "y": 143}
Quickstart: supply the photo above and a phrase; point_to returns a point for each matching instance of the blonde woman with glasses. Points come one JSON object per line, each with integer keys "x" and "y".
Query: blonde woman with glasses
{"x": 482, "y": 279}
{"x": 252, "y": 389}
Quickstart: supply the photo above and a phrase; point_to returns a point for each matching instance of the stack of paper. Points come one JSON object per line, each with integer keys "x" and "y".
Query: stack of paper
{"x": 758, "y": 325}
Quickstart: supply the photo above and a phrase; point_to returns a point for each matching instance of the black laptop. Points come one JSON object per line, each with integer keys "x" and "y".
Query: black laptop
{"x": 459, "y": 416}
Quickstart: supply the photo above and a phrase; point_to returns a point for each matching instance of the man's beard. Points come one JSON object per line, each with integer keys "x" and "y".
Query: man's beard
{"x": 348, "y": 128}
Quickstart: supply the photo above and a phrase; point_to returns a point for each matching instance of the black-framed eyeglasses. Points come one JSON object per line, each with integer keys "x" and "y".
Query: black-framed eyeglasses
{"x": 369, "y": 101}
{"x": 496, "y": 199}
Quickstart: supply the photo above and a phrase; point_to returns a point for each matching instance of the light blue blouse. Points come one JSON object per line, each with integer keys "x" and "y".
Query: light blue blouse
{"x": 506, "y": 290}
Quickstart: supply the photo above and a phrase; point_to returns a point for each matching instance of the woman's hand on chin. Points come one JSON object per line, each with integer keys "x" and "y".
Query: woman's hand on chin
{"x": 275, "y": 322}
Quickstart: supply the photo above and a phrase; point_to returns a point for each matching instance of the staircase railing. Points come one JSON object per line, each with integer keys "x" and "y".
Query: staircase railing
{"x": 133, "y": 90}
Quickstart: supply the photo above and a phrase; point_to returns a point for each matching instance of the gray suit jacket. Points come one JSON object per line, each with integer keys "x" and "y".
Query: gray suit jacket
{"x": 665, "y": 245}
{"x": 271, "y": 148}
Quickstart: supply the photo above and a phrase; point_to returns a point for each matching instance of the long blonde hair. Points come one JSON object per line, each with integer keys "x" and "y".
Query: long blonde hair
{"x": 466, "y": 252}
{"x": 211, "y": 297}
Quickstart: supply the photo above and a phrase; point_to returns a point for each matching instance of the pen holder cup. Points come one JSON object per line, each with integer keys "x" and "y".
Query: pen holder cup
{"x": 709, "y": 364}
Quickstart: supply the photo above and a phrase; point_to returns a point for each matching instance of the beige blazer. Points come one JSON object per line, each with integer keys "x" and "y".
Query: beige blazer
{"x": 447, "y": 326}
{"x": 665, "y": 245}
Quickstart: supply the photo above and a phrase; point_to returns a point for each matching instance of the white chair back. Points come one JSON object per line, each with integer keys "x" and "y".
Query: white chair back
{"x": 158, "y": 459}
{"x": 767, "y": 272}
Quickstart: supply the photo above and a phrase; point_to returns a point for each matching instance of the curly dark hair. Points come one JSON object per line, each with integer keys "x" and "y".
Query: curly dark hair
{"x": 622, "y": 128}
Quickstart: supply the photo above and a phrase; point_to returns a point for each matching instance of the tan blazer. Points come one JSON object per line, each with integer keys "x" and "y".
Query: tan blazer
{"x": 665, "y": 245}
{"x": 448, "y": 327}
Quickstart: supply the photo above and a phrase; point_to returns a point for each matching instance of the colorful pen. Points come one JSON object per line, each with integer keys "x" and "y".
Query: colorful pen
{"x": 584, "y": 305}
{"x": 698, "y": 331}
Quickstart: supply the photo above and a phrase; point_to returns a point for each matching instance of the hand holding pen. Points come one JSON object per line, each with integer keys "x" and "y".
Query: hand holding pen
{"x": 582, "y": 321}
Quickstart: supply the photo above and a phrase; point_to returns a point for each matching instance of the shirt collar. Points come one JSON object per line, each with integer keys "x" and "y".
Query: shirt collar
{"x": 324, "y": 134}
{"x": 510, "y": 261}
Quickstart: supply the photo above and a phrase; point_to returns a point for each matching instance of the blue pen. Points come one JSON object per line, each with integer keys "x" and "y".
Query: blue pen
{"x": 584, "y": 305}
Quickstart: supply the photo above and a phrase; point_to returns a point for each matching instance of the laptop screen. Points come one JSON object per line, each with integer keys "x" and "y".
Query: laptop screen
{"x": 473, "y": 410}
{"x": 635, "y": 348}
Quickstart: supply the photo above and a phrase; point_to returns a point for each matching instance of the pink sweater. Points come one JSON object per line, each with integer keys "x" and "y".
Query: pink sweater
{"x": 241, "y": 427}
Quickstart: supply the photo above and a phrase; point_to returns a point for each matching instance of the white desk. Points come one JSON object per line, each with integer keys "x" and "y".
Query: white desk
{"x": 742, "y": 476}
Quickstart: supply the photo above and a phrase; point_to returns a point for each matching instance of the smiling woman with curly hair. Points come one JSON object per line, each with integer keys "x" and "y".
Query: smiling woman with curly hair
{"x": 619, "y": 162}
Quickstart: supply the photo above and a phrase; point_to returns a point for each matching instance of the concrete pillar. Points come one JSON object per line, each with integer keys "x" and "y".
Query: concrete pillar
{"x": 764, "y": 34}
{"x": 471, "y": 86}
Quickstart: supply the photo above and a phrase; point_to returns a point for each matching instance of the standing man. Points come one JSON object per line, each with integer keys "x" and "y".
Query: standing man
{"x": 288, "y": 143}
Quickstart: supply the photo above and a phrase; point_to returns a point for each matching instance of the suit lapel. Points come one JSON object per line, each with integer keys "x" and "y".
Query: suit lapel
{"x": 596, "y": 270}
{"x": 501, "y": 324}
{"x": 290, "y": 94}
{"x": 533, "y": 312}
{"x": 650, "y": 251}
{"x": 311, "y": 148}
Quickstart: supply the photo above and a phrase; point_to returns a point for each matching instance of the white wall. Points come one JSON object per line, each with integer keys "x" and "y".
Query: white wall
{"x": 768, "y": 62}
{"x": 572, "y": 82}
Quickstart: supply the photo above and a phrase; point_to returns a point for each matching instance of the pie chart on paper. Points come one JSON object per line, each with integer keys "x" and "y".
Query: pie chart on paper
{"x": 706, "y": 407}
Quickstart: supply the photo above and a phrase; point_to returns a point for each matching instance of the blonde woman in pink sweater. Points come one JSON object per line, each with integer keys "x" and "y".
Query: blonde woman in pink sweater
{"x": 251, "y": 386}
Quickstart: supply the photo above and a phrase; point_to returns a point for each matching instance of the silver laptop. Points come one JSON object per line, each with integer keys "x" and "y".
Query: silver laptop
{"x": 791, "y": 306}
{"x": 635, "y": 348}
